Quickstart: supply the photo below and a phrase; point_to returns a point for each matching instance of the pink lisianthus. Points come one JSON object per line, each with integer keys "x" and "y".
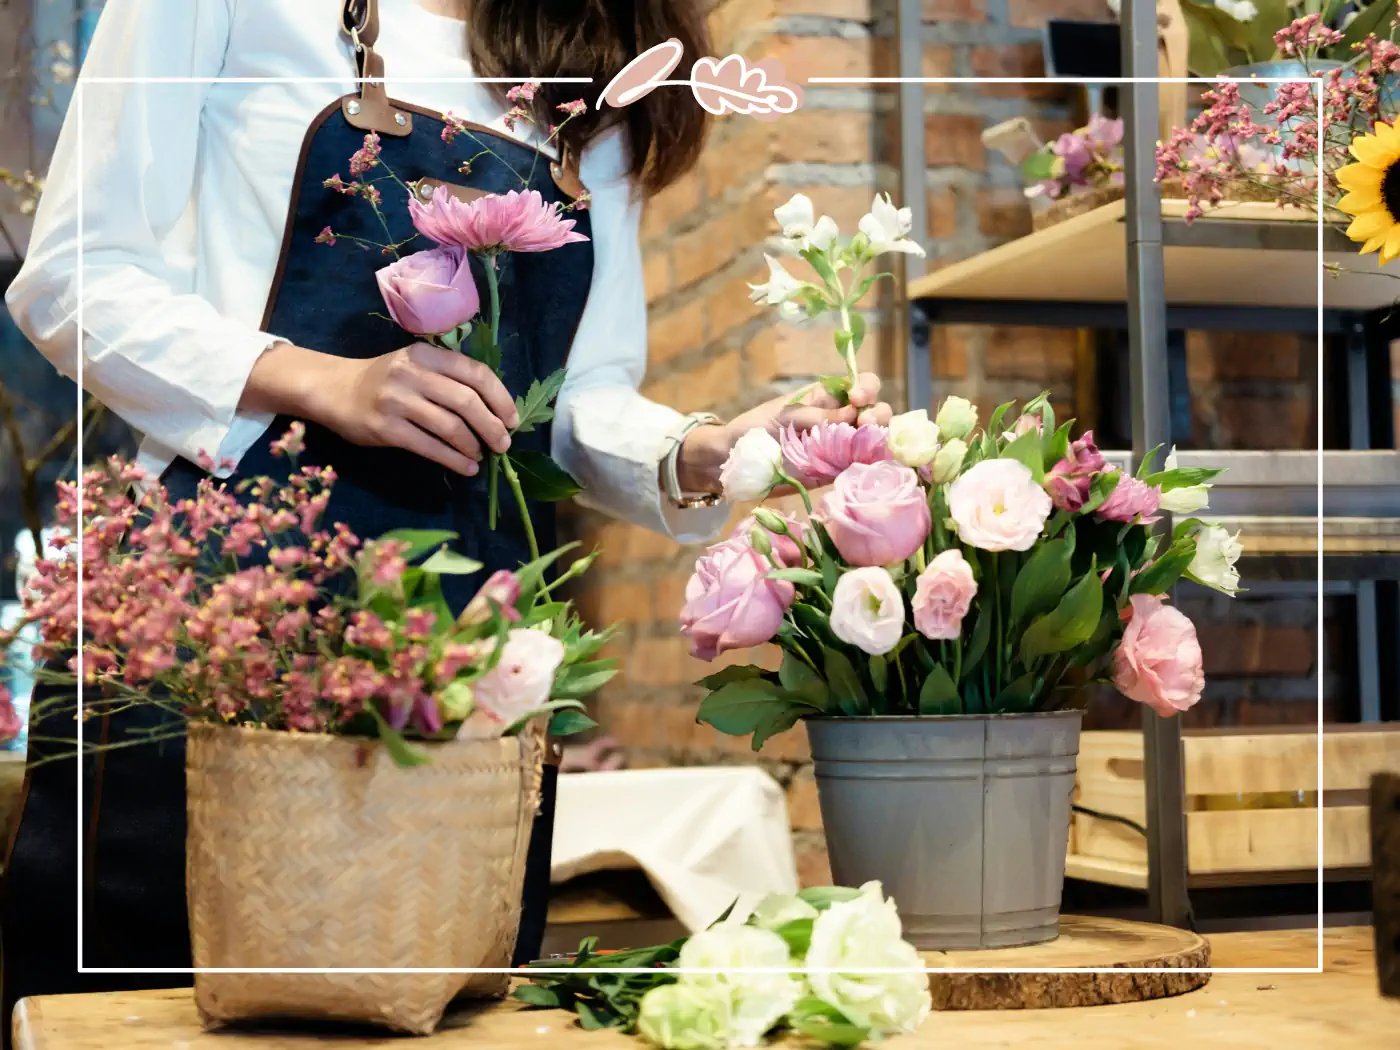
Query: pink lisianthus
{"x": 1131, "y": 500}
{"x": 431, "y": 292}
{"x": 876, "y": 513}
{"x": 509, "y": 222}
{"x": 943, "y": 595}
{"x": 1068, "y": 481}
{"x": 10, "y": 723}
{"x": 730, "y": 603}
{"x": 816, "y": 456}
{"x": 523, "y": 677}
{"x": 1158, "y": 662}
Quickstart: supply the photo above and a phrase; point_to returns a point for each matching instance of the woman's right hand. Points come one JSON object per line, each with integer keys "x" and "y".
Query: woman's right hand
{"x": 437, "y": 403}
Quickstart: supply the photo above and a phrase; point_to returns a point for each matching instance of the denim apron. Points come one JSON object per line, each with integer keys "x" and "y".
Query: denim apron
{"x": 323, "y": 297}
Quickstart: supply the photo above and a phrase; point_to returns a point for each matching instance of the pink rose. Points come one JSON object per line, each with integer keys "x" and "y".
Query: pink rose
{"x": 523, "y": 677}
{"x": 1130, "y": 500}
{"x": 997, "y": 506}
{"x": 10, "y": 723}
{"x": 786, "y": 549}
{"x": 730, "y": 603}
{"x": 509, "y": 222}
{"x": 1069, "y": 480}
{"x": 876, "y": 513}
{"x": 816, "y": 456}
{"x": 1158, "y": 662}
{"x": 943, "y": 594}
{"x": 431, "y": 292}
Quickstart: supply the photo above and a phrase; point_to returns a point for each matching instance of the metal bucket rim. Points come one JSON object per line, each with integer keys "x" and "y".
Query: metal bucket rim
{"x": 997, "y": 716}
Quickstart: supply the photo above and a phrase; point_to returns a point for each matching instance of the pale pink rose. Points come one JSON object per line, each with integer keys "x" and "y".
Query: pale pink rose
{"x": 523, "y": 677}
{"x": 1068, "y": 481}
{"x": 997, "y": 506}
{"x": 1025, "y": 423}
{"x": 876, "y": 513}
{"x": 509, "y": 222}
{"x": 730, "y": 603}
{"x": 1158, "y": 662}
{"x": 10, "y": 724}
{"x": 816, "y": 456}
{"x": 786, "y": 548}
{"x": 430, "y": 293}
{"x": 1130, "y": 500}
{"x": 943, "y": 594}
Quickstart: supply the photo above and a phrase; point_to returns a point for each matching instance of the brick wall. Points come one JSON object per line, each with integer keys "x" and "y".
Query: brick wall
{"x": 712, "y": 349}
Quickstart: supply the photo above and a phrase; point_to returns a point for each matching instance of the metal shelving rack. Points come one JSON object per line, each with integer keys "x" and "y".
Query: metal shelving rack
{"x": 1144, "y": 270}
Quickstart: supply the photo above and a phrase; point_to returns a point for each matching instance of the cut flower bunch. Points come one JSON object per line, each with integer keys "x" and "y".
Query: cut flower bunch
{"x": 798, "y": 963}
{"x": 950, "y": 569}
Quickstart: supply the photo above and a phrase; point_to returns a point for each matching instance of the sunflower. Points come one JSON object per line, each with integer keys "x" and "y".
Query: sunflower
{"x": 1373, "y": 191}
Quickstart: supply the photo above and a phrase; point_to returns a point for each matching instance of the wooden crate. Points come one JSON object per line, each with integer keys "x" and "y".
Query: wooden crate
{"x": 1251, "y": 804}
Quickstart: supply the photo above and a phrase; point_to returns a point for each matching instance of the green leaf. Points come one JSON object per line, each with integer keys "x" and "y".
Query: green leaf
{"x": 541, "y": 479}
{"x": 798, "y": 935}
{"x": 823, "y": 897}
{"x": 531, "y": 574}
{"x": 819, "y": 1020}
{"x": 1144, "y": 469}
{"x": 1162, "y": 574}
{"x": 1182, "y": 477}
{"x": 939, "y": 695}
{"x": 813, "y": 622}
{"x": 1056, "y": 443}
{"x": 1071, "y": 623}
{"x": 993, "y": 428}
{"x": 806, "y": 577}
{"x": 1370, "y": 20}
{"x": 1038, "y": 167}
{"x": 740, "y": 708}
{"x": 733, "y": 673}
{"x": 534, "y": 407}
{"x": 553, "y": 705}
{"x": 981, "y": 635}
{"x": 570, "y": 721}
{"x": 573, "y": 685}
{"x": 1027, "y": 449}
{"x": 1041, "y": 581}
{"x": 480, "y": 347}
{"x": 399, "y": 749}
{"x": 420, "y": 541}
{"x": 535, "y": 995}
{"x": 446, "y": 562}
{"x": 816, "y": 258}
{"x": 778, "y": 721}
{"x": 857, "y": 330}
{"x": 845, "y": 685}
{"x": 879, "y": 674}
{"x": 1018, "y": 696}
{"x": 1105, "y": 635}
{"x": 800, "y": 680}
{"x": 838, "y": 387}
{"x": 1100, "y": 488}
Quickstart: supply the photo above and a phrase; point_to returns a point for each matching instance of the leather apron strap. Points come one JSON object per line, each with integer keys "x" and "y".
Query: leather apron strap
{"x": 370, "y": 109}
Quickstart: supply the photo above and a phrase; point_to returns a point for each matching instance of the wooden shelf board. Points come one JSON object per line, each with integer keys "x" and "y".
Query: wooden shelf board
{"x": 1083, "y": 259}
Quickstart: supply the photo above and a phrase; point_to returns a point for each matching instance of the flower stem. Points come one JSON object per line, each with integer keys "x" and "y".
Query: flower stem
{"x": 493, "y": 285}
{"x": 801, "y": 489}
{"x": 513, "y": 479}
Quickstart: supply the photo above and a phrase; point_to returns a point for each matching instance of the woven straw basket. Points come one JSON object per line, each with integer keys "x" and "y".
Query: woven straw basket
{"x": 316, "y": 851}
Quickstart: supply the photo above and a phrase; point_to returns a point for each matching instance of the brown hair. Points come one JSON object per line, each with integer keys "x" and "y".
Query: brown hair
{"x": 596, "y": 38}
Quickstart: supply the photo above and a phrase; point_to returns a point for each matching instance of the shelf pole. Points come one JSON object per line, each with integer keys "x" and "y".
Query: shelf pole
{"x": 1151, "y": 400}
{"x": 913, "y": 192}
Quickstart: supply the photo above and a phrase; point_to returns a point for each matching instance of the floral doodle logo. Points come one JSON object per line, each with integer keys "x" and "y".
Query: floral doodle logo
{"x": 729, "y": 85}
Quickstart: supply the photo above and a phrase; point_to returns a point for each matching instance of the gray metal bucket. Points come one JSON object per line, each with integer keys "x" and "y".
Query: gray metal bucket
{"x": 964, "y": 819}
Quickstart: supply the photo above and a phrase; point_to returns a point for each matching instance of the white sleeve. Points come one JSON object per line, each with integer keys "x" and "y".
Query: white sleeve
{"x": 606, "y": 434}
{"x": 158, "y": 355}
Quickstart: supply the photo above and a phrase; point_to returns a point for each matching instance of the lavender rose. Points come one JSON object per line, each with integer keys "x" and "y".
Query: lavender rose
{"x": 730, "y": 603}
{"x": 431, "y": 292}
{"x": 876, "y": 513}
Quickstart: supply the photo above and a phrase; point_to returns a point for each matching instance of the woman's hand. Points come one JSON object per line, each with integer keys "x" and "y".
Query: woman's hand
{"x": 434, "y": 402}
{"x": 706, "y": 448}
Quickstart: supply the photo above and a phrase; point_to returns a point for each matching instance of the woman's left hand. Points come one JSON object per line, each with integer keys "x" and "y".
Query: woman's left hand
{"x": 706, "y": 448}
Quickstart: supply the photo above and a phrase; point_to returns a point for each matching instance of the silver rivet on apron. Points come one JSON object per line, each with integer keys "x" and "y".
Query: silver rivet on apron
{"x": 353, "y": 107}
{"x": 400, "y": 119}
{"x": 424, "y": 190}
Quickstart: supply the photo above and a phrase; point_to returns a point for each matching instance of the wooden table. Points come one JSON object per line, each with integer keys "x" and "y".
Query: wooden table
{"x": 1340, "y": 1007}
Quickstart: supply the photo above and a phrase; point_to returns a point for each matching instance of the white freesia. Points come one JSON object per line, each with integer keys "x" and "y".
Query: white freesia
{"x": 913, "y": 438}
{"x": 685, "y": 1016}
{"x": 867, "y": 610}
{"x": 957, "y": 417}
{"x": 949, "y": 460}
{"x": 780, "y": 286}
{"x": 801, "y": 228}
{"x": 886, "y": 227}
{"x": 779, "y": 909}
{"x": 865, "y": 934}
{"x": 1186, "y": 500}
{"x": 753, "y": 466}
{"x": 1216, "y": 554}
{"x": 755, "y": 1001}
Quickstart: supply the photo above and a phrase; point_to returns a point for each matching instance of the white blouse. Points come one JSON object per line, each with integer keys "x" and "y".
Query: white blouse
{"x": 181, "y": 187}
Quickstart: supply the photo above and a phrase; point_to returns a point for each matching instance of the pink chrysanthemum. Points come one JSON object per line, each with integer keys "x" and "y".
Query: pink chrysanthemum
{"x": 510, "y": 222}
{"x": 816, "y": 456}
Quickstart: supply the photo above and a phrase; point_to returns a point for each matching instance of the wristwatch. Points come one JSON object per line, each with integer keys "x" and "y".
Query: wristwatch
{"x": 670, "y": 481}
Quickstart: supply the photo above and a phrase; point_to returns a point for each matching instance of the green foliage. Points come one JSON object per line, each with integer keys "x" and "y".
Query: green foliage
{"x": 1071, "y": 623}
{"x": 541, "y": 479}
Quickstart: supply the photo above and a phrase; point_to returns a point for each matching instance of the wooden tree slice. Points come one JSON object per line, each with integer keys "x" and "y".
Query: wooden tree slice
{"x": 1089, "y": 943}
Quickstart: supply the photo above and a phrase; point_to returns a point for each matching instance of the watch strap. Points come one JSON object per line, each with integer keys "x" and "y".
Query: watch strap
{"x": 670, "y": 479}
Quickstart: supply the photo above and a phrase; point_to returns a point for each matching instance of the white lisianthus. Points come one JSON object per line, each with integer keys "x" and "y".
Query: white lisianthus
{"x": 685, "y": 1017}
{"x": 865, "y": 934}
{"x": 957, "y": 417}
{"x": 1239, "y": 10}
{"x": 1185, "y": 500}
{"x": 886, "y": 227}
{"x": 913, "y": 438}
{"x": 949, "y": 460}
{"x": 753, "y": 466}
{"x": 779, "y": 909}
{"x": 754, "y": 1002}
{"x": 780, "y": 287}
{"x": 867, "y": 610}
{"x": 1216, "y": 554}
{"x": 801, "y": 228}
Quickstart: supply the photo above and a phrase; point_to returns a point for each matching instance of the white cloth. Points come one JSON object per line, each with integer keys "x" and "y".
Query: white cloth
{"x": 706, "y": 837}
{"x": 184, "y": 194}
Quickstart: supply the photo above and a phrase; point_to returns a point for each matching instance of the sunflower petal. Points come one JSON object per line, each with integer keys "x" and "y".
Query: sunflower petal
{"x": 1359, "y": 201}
{"x": 1369, "y": 224}
{"x": 1369, "y": 150}
{"x": 1372, "y": 245}
{"x": 1391, "y": 248}
{"x": 1359, "y": 177}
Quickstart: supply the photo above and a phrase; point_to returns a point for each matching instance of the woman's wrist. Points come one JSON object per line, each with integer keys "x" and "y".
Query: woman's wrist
{"x": 701, "y": 457}
{"x": 288, "y": 380}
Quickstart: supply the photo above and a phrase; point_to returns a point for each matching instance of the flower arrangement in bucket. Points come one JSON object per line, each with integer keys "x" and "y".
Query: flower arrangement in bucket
{"x": 325, "y": 678}
{"x": 938, "y": 611}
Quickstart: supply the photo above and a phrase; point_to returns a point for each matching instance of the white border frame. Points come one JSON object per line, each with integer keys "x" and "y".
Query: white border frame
{"x": 79, "y": 96}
